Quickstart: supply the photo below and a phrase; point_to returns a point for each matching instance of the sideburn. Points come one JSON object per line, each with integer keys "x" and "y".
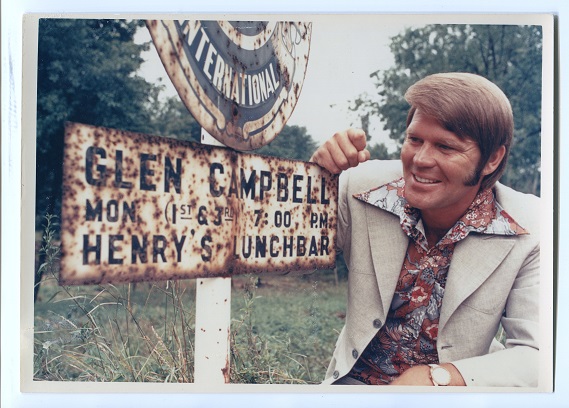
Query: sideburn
{"x": 475, "y": 177}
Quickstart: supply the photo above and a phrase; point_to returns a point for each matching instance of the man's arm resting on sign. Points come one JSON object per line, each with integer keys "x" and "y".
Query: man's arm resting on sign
{"x": 342, "y": 151}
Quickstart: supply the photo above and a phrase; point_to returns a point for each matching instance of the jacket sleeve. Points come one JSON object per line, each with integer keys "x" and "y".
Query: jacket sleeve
{"x": 517, "y": 362}
{"x": 343, "y": 230}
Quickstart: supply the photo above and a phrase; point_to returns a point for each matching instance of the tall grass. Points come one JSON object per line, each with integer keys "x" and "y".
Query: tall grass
{"x": 283, "y": 330}
{"x": 92, "y": 334}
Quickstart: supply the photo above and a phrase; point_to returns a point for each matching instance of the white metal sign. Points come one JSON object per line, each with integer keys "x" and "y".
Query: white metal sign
{"x": 137, "y": 207}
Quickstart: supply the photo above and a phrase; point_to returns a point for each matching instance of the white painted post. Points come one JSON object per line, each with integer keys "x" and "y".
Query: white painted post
{"x": 213, "y": 318}
{"x": 213, "y": 322}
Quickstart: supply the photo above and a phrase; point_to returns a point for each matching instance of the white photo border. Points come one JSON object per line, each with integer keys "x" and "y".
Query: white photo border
{"x": 150, "y": 396}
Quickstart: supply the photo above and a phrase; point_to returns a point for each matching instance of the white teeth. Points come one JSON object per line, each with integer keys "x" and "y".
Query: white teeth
{"x": 426, "y": 181}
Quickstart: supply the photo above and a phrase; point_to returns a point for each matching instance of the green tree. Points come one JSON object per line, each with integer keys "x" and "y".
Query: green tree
{"x": 171, "y": 118}
{"x": 87, "y": 74}
{"x": 380, "y": 151}
{"x": 293, "y": 142}
{"x": 510, "y": 56}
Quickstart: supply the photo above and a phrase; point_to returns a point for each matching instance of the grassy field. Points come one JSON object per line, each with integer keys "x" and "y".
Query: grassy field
{"x": 283, "y": 330}
{"x": 294, "y": 322}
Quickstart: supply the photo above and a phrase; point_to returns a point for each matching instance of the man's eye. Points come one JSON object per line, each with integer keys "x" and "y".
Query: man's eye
{"x": 445, "y": 147}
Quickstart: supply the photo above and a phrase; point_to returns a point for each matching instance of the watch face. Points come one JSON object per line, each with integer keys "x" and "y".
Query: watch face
{"x": 441, "y": 376}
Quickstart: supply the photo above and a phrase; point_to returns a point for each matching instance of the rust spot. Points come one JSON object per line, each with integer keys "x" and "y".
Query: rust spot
{"x": 216, "y": 110}
{"x": 258, "y": 211}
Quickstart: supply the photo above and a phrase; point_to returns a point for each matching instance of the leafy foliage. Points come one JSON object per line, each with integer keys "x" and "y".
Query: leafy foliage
{"x": 86, "y": 74}
{"x": 510, "y": 56}
{"x": 171, "y": 118}
{"x": 292, "y": 143}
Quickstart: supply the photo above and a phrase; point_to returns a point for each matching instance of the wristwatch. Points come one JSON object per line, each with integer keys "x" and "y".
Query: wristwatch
{"x": 440, "y": 376}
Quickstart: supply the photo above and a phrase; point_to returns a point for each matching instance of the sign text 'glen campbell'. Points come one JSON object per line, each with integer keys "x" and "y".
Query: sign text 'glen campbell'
{"x": 239, "y": 79}
{"x": 137, "y": 207}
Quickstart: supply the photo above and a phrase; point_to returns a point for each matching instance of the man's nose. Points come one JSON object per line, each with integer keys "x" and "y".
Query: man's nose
{"x": 424, "y": 156}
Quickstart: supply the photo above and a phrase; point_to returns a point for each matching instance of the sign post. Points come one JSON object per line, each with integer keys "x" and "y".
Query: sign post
{"x": 213, "y": 323}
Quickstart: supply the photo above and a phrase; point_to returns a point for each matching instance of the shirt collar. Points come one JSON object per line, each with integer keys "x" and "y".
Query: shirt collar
{"x": 484, "y": 215}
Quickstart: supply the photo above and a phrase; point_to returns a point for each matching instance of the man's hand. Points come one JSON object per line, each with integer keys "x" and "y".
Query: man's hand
{"x": 421, "y": 375}
{"x": 417, "y": 375}
{"x": 344, "y": 150}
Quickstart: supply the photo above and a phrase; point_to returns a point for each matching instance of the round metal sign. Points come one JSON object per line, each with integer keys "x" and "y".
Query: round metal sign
{"x": 239, "y": 79}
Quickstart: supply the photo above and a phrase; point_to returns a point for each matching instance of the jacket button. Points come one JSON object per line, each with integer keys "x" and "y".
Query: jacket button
{"x": 336, "y": 374}
{"x": 377, "y": 323}
{"x": 354, "y": 353}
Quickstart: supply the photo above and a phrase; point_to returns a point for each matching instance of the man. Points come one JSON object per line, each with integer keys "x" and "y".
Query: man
{"x": 439, "y": 254}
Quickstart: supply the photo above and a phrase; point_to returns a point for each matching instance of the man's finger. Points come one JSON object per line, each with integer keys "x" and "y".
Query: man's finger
{"x": 358, "y": 138}
{"x": 347, "y": 154}
{"x": 364, "y": 155}
{"x": 323, "y": 158}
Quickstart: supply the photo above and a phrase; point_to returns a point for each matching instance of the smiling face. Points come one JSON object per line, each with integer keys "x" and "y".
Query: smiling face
{"x": 441, "y": 170}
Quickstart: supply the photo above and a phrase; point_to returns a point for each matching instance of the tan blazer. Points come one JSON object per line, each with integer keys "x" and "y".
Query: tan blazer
{"x": 492, "y": 280}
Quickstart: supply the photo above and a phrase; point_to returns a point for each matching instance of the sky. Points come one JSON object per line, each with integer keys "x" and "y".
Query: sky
{"x": 344, "y": 51}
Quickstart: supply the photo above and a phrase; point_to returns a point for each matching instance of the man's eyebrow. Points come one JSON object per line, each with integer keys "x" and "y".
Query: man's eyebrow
{"x": 449, "y": 141}
{"x": 443, "y": 139}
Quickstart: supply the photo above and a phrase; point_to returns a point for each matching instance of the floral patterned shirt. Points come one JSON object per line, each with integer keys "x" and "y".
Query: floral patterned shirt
{"x": 409, "y": 336}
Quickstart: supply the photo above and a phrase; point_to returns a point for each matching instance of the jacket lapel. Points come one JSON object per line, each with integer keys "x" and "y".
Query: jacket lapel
{"x": 388, "y": 246}
{"x": 474, "y": 260}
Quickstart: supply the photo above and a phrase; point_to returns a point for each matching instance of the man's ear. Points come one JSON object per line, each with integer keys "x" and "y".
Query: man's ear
{"x": 494, "y": 161}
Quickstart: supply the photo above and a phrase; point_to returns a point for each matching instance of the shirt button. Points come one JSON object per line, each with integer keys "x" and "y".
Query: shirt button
{"x": 336, "y": 374}
{"x": 354, "y": 353}
{"x": 377, "y": 323}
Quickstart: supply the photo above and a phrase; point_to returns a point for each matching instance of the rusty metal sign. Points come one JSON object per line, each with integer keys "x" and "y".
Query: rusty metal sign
{"x": 239, "y": 79}
{"x": 137, "y": 207}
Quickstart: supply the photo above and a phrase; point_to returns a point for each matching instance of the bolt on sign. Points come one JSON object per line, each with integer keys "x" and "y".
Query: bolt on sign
{"x": 137, "y": 207}
{"x": 239, "y": 79}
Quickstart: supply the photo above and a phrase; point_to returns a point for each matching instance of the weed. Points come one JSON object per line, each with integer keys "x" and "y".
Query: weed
{"x": 252, "y": 361}
{"x": 285, "y": 330}
{"x": 144, "y": 332}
